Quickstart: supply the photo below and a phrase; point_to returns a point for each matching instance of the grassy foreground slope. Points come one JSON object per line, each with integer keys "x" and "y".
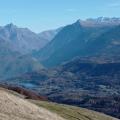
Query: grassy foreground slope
{"x": 72, "y": 113}
{"x": 14, "y": 107}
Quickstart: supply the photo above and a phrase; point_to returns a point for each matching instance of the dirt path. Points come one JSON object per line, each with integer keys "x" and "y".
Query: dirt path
{"x": 15, "y": 108}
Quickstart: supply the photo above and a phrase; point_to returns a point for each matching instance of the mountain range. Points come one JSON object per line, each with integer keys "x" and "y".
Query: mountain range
{"x": 78, "y": 64}
{"x": 21, "y": 39}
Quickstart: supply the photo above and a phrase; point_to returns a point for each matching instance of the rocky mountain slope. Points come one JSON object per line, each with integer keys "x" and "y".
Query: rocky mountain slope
{"x": 92, "y": 37}
{"x": 21, "y": 39}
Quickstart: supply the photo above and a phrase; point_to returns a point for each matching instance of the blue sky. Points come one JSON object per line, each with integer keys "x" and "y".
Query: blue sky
{"x": 39, "y": 15}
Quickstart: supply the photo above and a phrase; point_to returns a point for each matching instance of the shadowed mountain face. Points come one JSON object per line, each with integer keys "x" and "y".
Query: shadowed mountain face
{"x": 93, "y": 83}
{"x": 84, "y": 38}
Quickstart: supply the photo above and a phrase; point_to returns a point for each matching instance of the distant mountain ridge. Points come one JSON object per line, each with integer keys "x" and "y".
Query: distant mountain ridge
{"x": 21, "y": 39}
{"x": 101, "y": 21}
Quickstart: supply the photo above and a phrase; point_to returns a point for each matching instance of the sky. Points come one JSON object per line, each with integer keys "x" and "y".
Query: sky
{"x": 40, "y": 15}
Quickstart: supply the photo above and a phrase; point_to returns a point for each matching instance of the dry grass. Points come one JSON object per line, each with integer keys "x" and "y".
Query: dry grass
{"x": 15, "y": 108}
{"x": 73, "y": 113}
